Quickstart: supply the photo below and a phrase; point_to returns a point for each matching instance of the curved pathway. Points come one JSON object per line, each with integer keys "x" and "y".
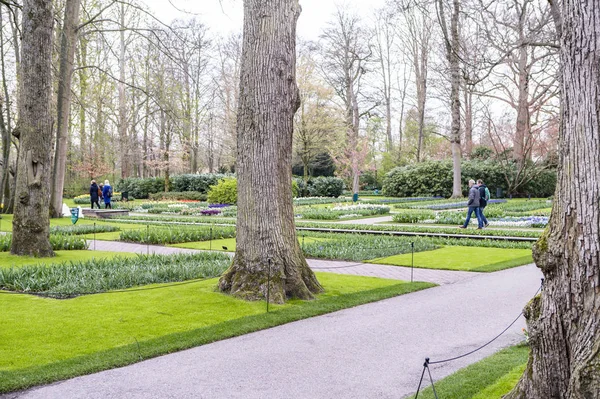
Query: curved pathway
{"x": 370, "y": 351}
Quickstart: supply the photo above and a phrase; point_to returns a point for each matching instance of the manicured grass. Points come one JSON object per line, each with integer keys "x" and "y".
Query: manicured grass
{"x": 6, "y": 223}
{"x": 472, "y": 259}
{"x": 229, "y": 243}
{"x": 490, "y": 378}
{"x": 49, "y": 339}
{"x": 8, "y": 260}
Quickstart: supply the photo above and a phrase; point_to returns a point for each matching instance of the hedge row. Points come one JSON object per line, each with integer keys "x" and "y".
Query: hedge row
{"x": 436, "y": 178}
{"x": 142, "y": 188}
{"x": 318, "y": 187}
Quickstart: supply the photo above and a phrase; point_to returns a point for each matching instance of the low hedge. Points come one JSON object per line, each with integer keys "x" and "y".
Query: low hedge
{"x": 196, "y": 182}
{"x": 413, "y": 216}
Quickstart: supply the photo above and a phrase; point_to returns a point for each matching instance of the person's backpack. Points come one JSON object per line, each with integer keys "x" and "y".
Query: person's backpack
{"x": 99, "y": 192}
{"x": 110, "y": 192}
{"x": 483, "y": 195}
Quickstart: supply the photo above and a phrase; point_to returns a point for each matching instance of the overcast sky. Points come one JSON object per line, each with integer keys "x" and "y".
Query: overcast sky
{"x": 226, "y": 15}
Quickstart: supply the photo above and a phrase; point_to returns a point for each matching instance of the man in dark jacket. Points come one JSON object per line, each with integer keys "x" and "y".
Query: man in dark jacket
{"x": 473, "y": 205}
{"x": 484, "y": 196}
{"x": 94, "y": 194}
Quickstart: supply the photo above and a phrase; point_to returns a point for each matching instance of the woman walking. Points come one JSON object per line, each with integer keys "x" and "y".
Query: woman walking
{"x": 107, "y": 193}
{"x": 94, "y": 194}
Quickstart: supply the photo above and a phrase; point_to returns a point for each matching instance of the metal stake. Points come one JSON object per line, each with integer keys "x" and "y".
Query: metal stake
{"x": 94, "y": 236}
{"x": 268, "y": 283}
{"x": 412, "y": 262}
{"x": 147, "y": 239}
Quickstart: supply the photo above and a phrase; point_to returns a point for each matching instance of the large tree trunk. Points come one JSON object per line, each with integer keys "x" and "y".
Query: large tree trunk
{"x": 31, "y": 220}
{"x": 455, "y": 101}
{"x": 68, "y": 42}
{"x": 268, "y": 100}
{"x": 522, "y": 128}
{"x": 564, "y": 322}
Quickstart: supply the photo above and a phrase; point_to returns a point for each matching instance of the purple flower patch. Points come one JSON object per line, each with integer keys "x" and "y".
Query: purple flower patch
{"x": 218, "y": 205}
{"x": 210, "y": 212}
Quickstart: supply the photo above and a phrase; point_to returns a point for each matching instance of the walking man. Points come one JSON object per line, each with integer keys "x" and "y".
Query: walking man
{"x": 484, "y": 197}
{"x": 473, "y": 205}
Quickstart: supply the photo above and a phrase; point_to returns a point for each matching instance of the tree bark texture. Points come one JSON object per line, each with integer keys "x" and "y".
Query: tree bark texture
{"x": 68, "y": 41}
{"x": 268, "y": 100}
{"x": 564, "y": 322}
{"x": 455, "y": 101}
{"x": 31, "y": 220}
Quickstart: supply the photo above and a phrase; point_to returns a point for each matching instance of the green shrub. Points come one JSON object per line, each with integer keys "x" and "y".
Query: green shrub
{"x": 196, "y": 182}
{"x": 413, "y": 216}
{"x": 436, "y": 178}
{"x": 100, "y": 275}
{"x": 141, "y": 188}
{"x": 326, "y": 187}
{"x": 342, "y": 211}
{"x": 178, "y": 196}
{"x": 224, "y": 192}
{"x": 295, "y": 189}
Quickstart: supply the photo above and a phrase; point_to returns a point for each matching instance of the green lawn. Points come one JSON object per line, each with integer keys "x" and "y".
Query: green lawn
{"x": 490, "y": 378}
{"x": 45, "y": 340}
{"x": 8, "y": 260}
{"x": 474, "y": 259}
{"x": 229, "y": 243}
{"x": 6, "y": 225}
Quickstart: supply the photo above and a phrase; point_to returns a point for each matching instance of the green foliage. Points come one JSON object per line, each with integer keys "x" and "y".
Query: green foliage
{"x": 176, "y": 234}
{"x": 199, "y": 183}
{"x": 339, "y": 212}
{"x": 413, "y": 216}
{"x": 326, "y": 187}
{"x": 482, "y": 153}
{"x": 100, "y": 275}
{"x": 79, "y": 229}
{"x": 358, "y": 247}
{"x": 141, "y": 188}
{"x": 224, "y": 192}
{"x": 295, "y": 189}
{"x": 58, "y": 242}
{"x": 178, "y": 195}
{"x": 436, "y": 178}
{"x": 85, "y": 199}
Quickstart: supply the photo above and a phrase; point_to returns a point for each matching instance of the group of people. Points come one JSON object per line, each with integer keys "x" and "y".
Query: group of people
{"x": 102, "y": 191}
{"x": 479, "y": 195}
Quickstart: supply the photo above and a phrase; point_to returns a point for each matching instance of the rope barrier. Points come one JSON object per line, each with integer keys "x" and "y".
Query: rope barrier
{"x": 428, "y": 362}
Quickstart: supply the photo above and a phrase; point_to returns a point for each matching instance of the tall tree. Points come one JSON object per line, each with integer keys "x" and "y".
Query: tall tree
{"x": 346, "y": 53}
{"x": 564, "y": 322}
{"x": 31, "y": 220}
{"x": 268, "y": 100}
{"x": 451, "y": 44}
{"x": 68, "y": 41}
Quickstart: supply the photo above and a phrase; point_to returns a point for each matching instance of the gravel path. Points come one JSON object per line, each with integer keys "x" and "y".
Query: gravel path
{"x": 370, "y": 351}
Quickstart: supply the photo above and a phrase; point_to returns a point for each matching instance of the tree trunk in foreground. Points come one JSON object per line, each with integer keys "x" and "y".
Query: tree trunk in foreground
{"x": 564, "y": 322}
{"x": 268, "y": 100}
{"x": 67, "y": 55}
{"x": 31, "y": 220}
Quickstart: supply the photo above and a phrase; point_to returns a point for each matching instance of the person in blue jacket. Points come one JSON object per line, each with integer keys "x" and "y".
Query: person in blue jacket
{"x": 107, "y": 193}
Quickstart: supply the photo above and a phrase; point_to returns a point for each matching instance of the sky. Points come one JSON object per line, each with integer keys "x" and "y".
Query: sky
{"x": 225, "y": 16}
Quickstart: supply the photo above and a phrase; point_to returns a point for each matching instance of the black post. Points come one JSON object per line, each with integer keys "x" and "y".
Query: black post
{"x": 412, "y": 262}
{"x": 425, "y": 365}
{"x": 268, "y": 283}
{"x": 147, "y": 239}
{"x": 302, "y": 242}
{"x": 94, "y": 236}
{"x": 210, "y": 242}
